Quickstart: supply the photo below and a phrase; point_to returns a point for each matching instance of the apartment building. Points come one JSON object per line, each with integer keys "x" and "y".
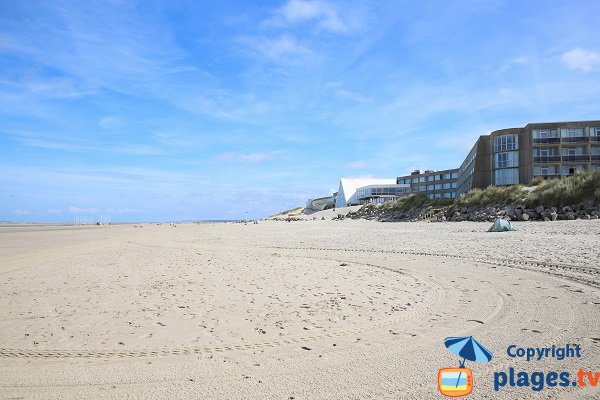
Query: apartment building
{"x": 517, "y": 155}
{"x": 435, "y": 184}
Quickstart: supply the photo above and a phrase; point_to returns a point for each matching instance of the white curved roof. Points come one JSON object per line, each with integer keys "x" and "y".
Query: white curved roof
{"x": 348, "y": 187}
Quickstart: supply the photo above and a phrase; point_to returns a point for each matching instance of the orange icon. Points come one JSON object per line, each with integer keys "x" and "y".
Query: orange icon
{"x": 455, "y": 382}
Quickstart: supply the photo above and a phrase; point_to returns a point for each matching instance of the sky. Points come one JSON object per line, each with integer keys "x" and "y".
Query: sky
{"x": 179, "y": 110}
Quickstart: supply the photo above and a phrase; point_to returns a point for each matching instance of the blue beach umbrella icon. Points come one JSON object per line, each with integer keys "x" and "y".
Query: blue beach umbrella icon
{"x": 467, "y": 348}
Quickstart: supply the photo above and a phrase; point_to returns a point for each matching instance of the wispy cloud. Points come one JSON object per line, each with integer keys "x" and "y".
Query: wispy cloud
{"x": 77, "y": 144}
{"x": 344, "y": 93}
{"x": 109, "y": 122}
{"x": 19, "y": 212}
{"x": 581, "y": 59}
{"x": 97, "y": 210}
{"x": 282, "y": 49}
{"x": 324, "y": 14}
{"x": 256, "y": 157}
{"x": 360, "y": 164}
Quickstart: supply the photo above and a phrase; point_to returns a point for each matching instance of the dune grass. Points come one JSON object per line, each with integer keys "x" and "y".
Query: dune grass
{"x": 414, "y": 201}
{"x": 286, "y": 212}
{"x": 492, "y": 195}
{"x": 577, "y": 189}
{"x": 572, "y": 190}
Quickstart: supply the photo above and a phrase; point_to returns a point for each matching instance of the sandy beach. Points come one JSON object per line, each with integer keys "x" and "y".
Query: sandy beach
{"x": 303, "y": 310}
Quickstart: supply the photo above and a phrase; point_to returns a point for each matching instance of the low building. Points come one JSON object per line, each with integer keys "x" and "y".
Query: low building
{"x": 376, "y": 194}
{"x": 434, "y": 184}
{"x": 348, "y": 187}
{"x": 320, "y": 204}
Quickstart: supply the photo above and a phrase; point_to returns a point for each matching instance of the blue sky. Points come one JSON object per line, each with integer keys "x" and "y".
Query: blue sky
{"x": 178, "y": 110}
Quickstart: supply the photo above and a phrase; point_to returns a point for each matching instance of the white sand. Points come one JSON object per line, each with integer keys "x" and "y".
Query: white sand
{"x": 303, "y": 310}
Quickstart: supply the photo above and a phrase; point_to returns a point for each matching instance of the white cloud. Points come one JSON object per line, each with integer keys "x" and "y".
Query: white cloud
{"x": 109, "y": 122}
{"x": 581, "y": 59}
{"x": 360, "y": 164}
{"x": 54, "y": 211}
{"x": 326, "y": 16}
{"x": 92, "y": 210}
{"x": 77, "y": 210}
{"x": 19, "y": 211}
{"x": 518, "y": 61}
{"x": 248, "y": 157}
{"x": 256, "y": 157}
{"x": 282, "y": 49}
{"x": 344, "y": 93}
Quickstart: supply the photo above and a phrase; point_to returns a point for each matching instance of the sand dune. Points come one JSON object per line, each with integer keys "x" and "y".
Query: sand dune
{"x": 304, "y": 310}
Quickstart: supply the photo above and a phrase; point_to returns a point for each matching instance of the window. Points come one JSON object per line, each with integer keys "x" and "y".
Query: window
{"x": 422, "y": 188}
{"x": 453, "y": 185}
{"x": 594, "y": 131}
{"x": 571, "y": 169}
{"x": 454, "y": 175}
{"x": 544, "y": 170}
{"x": 421, "y": 179}
{"x": 507, "y": 176}
{"x": 430, "y": 196}
{"x": 507, "y": 160}
{"x": 506, "y": 143}
{"x": 571, "y": 132}
{"x": 438, "y": 187}
{"x": 545, "y": 151}
{"x": 446, "y": 186}
{"x": 595, "y": 150}
{"x": 545, "y": 133}
{"x": 595, "y": 168}
{"x": 429, "y": 187}
{"x": 572, "y": 151}
{"x": 430, "y": 178}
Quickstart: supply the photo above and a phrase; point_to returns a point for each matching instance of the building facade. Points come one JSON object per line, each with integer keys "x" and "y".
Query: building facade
{"x": 435, "y": 184}
{"x": 517, "y": 155}
{"x": 376, "y": 194}
{"x": 321, "y": 203}
{"x": 346, "y": 195}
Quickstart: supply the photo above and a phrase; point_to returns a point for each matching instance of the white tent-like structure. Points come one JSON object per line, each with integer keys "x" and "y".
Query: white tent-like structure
{"x": 348, "y": 188}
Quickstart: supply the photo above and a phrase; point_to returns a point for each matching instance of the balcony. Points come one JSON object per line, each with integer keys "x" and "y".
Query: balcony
{"x": 579, "y": 158}
{"x": 546, "y": 159}
{"x": 548, "y": 176}
{"x": 595, "y": 139}
{"x": 576, "y": 139}
{"x": 553, "y": 140}
{"x": 595, "y": 157}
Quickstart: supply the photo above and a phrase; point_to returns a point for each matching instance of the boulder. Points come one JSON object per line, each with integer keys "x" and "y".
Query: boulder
{"x": 524, "y": 217}
{"x": 570, "y": 215}
{"x": 567, "y": 209}
{"x": 539, "y": 209}
{"x": 553, "y": 216}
